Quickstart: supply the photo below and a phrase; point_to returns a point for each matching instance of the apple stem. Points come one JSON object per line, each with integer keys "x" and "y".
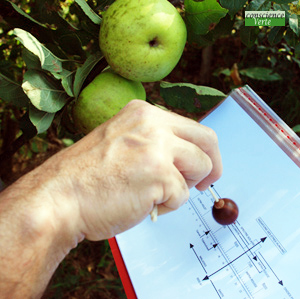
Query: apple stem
{"x": 213, "y": 194}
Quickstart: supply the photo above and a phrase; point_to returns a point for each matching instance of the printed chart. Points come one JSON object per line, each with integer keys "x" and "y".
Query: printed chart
{"x": 232, "y": 250}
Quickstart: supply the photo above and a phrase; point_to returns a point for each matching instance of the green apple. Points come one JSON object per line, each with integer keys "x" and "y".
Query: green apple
{"x": 142, "y": 40}
{"x": 104, "y": 97}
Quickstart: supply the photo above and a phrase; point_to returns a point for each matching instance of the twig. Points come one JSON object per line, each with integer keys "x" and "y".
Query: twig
{"x": 154, "y": 213}
{"x": 213, "y": 194}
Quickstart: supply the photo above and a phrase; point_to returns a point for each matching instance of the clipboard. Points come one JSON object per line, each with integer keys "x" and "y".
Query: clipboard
{"x": 186, "y": 254}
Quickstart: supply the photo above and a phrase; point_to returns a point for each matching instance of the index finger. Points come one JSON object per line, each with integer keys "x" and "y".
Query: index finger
{"x": 206, "y": 139}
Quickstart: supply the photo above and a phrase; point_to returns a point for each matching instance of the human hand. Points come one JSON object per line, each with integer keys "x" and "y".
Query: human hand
{"x": 144, "y": 156}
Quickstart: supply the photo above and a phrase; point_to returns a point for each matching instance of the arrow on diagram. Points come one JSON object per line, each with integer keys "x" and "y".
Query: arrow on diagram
{"x": 262, "y": 240}
{"x": 192, "y": 247}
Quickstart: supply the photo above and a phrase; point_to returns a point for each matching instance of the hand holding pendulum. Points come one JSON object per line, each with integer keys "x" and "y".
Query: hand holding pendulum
{"x": 225, "y": 211}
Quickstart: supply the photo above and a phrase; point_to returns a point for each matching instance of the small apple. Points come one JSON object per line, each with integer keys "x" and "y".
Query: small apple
{"x": 142, "y": 40}
{"x": 104, "y": 97}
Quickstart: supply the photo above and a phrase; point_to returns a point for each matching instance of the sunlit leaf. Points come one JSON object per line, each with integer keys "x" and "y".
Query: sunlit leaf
{"x": 294, "y": 23}
{"x": 42, "y": 92}
{"x": 49, "y": 61}
{"x": 202, "y": 16}
{"x": 192, "y": 98}
{"x": 88, "y": 11}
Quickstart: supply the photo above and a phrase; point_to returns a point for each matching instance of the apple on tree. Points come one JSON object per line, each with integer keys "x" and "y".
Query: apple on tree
{"x": 142, "y": 40}
{"x": 104, "y": 97}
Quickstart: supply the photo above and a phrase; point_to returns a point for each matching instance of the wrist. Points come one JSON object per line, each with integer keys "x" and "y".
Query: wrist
{"x": 60, "y": 207}
{"x": 35, "y": 235}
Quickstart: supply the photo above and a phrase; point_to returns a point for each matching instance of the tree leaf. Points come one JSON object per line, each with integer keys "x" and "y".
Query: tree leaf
{"x": 233, "y": 6}
{"x": 40, "y": 119}
{"x": 296, "y": 128}
{"x": 294, "y": 23}
{"x": 24, "y": 14}
{"x": 89, "y": 12}
{"x": 258, "y": 5}
{"x": 248, "y": 35}
{"x": 283, "y": 1}
{"x": 66, "y": 78}
{"x": 192, "y": 98}
{"x": 31, "y": 60}
{"x": 84, "y": 70}
{"x": 43, "y": 94}
{"x": 70, "y": 41}
{"x": 12, "y": 92}
{"x": 276, "y": 35}
{"x": 297, "y": 50}
{"x": 261, "y": 73}
{"x": 296, "y": 60}
{"x": 202, "y": 16}
{"x": 291, "y": 38}
{"x": 49, "y": 61}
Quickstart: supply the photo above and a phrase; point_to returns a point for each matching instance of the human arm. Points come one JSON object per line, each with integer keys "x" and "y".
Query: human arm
{"x": 104, "y": 184}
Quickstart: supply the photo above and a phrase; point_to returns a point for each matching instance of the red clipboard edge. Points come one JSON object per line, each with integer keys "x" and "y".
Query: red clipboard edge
{"x": 128, "y": 287}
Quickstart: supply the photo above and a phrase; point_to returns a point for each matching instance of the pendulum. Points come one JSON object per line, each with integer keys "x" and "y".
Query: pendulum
{"x": 225, "y": 211}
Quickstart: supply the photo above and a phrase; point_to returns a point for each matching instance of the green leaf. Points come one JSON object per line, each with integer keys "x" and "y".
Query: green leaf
{"x": 297, "y": 50}
{"x": 49, "y": 61}
{"x": 40, "y": 119}
{"x": 192, "y": 98}
{"x": 248, "y": 35}
{"x": 66, "y": 78}
{"x": 276, "y": 35}
{"x": 31, "y": 60}
{"x": 258, "y": 5}
{"x": 296, "y": 60}
{"x": 12, "y": 92}
{"x": 261, "y": 73}
{"x": 42, "y": 92}
{"x": 84, "y": 70}
{"x": 70, "y": 41}
{"x": 89, "y": 12}
{"x": 294, "y": 23}
{"x": 291, "y": 38}
{"x": 296, "y": 128}
{"x": 24, "y": 14}
{"x": 233, "y": 6}
{"x": 202, "y": 16}
{"x": 283, "y": 1}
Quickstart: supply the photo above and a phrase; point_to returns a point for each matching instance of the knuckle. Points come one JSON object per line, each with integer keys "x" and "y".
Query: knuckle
{"x": 212, "y": 136}
{"x": 217, "y": 173}
{"x": 207, "y": 165}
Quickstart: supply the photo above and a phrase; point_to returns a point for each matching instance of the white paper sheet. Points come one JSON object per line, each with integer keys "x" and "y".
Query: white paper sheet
{"x": 187, "y": 255}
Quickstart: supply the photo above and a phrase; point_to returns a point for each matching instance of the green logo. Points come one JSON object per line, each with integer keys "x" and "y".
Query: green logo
{"x": 264, "y": 18}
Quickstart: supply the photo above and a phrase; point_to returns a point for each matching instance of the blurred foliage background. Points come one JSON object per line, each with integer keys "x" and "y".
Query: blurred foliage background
{"x": 53, "y": 45}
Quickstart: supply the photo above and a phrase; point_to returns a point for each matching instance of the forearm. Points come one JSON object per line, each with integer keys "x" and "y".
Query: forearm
{"x": 34, "y": 233}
